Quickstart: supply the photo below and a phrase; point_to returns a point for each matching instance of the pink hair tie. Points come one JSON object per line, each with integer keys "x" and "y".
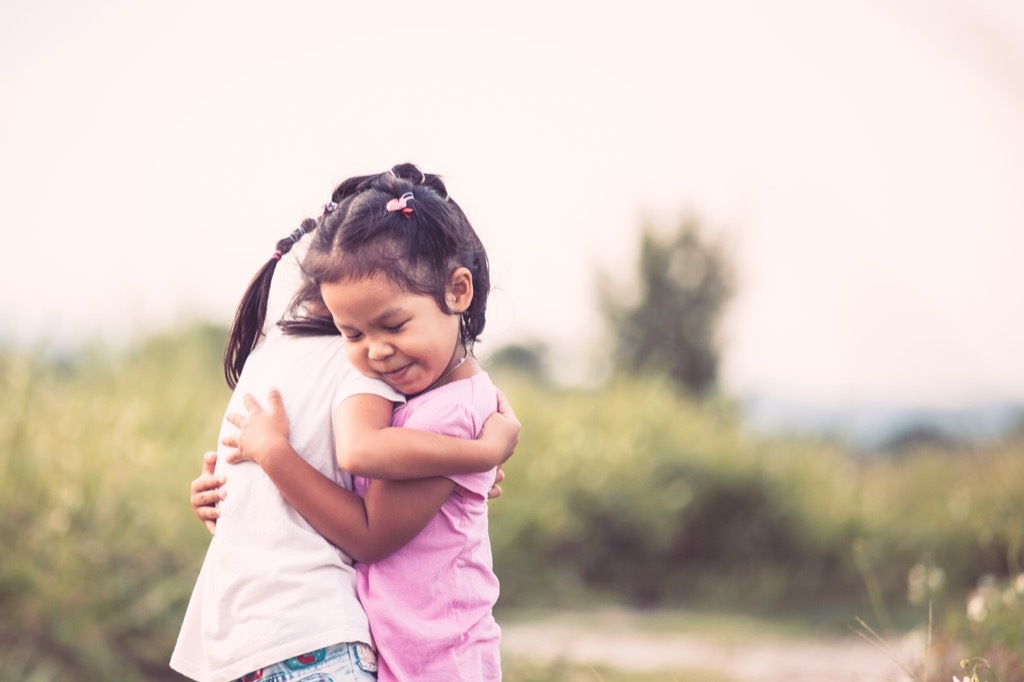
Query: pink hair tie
{"x": 277, "y": 255}
{"x": 399, "y": 204}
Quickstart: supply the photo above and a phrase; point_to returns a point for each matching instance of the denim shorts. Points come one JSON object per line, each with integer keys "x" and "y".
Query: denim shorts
{"x": 347, "y": 662}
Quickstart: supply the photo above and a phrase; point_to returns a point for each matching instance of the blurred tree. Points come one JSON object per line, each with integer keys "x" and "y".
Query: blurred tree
{"x": 919, "y": 437}
{"x": 684, "y": 282}
{"x": 526, "y": 359}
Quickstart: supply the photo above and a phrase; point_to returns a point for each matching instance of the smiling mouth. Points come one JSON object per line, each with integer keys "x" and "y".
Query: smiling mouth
{"x": 395, "y": 374}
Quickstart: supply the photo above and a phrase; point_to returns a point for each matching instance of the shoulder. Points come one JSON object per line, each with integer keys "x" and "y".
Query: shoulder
{"x": 456, "y": 409}
{"x": 354, "y": 383}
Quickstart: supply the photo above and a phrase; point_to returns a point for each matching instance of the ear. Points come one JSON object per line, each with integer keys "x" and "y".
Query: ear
{"x": 460, "y": 291}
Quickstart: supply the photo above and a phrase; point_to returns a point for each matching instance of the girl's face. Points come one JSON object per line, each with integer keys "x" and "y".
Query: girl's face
{"x": 404, "y": 339}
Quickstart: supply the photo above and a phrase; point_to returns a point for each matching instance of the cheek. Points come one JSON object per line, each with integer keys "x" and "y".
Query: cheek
{"x": 354, "y": 355}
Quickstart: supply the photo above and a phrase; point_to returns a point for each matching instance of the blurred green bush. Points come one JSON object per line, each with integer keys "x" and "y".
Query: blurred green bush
{"x": 631, "y": 493}
{"x": 99, "y": 547}
{"x": 644, "y": 493}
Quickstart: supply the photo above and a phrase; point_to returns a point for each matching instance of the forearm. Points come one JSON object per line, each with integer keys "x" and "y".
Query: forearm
{"x": 336, "y": 513}
{"x": 392, "y": 513}
{"x": 397, "y": 453}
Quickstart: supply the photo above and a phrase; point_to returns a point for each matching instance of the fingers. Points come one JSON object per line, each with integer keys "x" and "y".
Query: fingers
{"x": 495, "y": 491}
{"x": 230, "y": 440}
{"x": 209, "y": 516}
{"x": 209, "y": 462}
{"x": 206, "y": 491}
{"x": 251, "y": 406}
{"x": 274, "y": 400}
{"x": 205, "y": 504}
{"x": 206, "y": 482}
{"x": 504, "y": 406}
{"x": 211, "y": 491}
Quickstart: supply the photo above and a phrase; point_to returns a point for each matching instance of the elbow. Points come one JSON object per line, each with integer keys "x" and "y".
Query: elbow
{"x": 346, "y": 460}
{"x": 369, "y": 553}
{"x": 353, "y": 456}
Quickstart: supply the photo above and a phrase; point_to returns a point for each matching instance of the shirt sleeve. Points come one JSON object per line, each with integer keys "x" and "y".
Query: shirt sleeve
{"x": 356, "y": 384}
{"x": 457, "y": 419}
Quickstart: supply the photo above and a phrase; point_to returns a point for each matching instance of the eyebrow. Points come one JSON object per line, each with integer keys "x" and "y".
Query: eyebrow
{"x": 388, "y": 312}
{"x": 377, "y": 319}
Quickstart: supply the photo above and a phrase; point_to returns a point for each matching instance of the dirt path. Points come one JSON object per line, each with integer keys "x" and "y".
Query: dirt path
{"x": 596, "y": 640}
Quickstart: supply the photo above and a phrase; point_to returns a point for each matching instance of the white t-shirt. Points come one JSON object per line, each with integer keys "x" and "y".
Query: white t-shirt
{"x": 271, "y": 587}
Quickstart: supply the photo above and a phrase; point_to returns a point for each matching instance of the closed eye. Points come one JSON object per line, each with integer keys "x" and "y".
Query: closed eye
{"x": 349, "y": 334}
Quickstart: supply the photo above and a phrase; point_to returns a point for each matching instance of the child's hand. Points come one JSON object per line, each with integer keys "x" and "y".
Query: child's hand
{"x": 261, "y": 433}
{"x": 501, "y": 431}
{"x": 207, "y": 492}
{"x": 495, "y": 490}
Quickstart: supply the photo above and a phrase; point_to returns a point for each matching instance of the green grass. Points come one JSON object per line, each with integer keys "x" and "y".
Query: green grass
{"x": 723, "y": 626}
{"x": 518, "y": 670}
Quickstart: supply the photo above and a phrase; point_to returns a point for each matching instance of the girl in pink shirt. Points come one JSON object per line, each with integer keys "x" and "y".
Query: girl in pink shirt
{"x": 405, "y": 278}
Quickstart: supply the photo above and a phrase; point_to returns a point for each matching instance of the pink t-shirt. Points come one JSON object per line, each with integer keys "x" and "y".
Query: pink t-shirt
{"x": 429, "y": 604}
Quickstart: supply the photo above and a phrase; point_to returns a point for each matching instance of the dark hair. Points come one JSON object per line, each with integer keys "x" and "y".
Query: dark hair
{"x": 417, "y": 250}
{"x": 247, "y": 327}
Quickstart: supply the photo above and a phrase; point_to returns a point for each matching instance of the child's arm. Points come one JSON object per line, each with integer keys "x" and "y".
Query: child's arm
{"x": 393, "y": 514}
{"x": 366, "y": 449}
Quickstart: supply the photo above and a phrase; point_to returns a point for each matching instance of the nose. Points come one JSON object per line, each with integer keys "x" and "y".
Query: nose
{"x": 380, "y": 350}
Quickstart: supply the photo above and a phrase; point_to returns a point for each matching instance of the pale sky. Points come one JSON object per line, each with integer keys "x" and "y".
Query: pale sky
{"x": 864, "y": 158}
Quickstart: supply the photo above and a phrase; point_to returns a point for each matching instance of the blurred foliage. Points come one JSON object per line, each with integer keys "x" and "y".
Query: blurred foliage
{"x": 98, "y": 452}
{"x": 667, "y": 321}
{"x": 528, "y": 360}
{"x": 630, "y": 493}
{"x": 679, "y": 489}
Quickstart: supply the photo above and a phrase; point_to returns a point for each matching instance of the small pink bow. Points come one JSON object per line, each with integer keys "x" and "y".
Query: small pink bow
{"x": 399, "y": 204}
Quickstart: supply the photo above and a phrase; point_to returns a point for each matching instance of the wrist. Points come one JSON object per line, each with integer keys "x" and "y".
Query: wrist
{"x": 274, "y": 453}
{"x": 485, "y": 455}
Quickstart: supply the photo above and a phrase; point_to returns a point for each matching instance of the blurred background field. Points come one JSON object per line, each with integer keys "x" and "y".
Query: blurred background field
{"x": 629, "y": 494}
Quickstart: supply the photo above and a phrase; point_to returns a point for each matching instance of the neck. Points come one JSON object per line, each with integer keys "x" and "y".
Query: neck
{"x": 453, "y": 365}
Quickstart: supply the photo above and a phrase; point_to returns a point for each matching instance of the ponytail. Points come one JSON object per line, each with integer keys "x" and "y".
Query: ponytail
{"x": 247, "y": 327}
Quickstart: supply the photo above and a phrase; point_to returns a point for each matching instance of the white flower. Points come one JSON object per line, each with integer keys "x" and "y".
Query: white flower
{"x": 977, "y": 609}
{"x": 923, "y": 581}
